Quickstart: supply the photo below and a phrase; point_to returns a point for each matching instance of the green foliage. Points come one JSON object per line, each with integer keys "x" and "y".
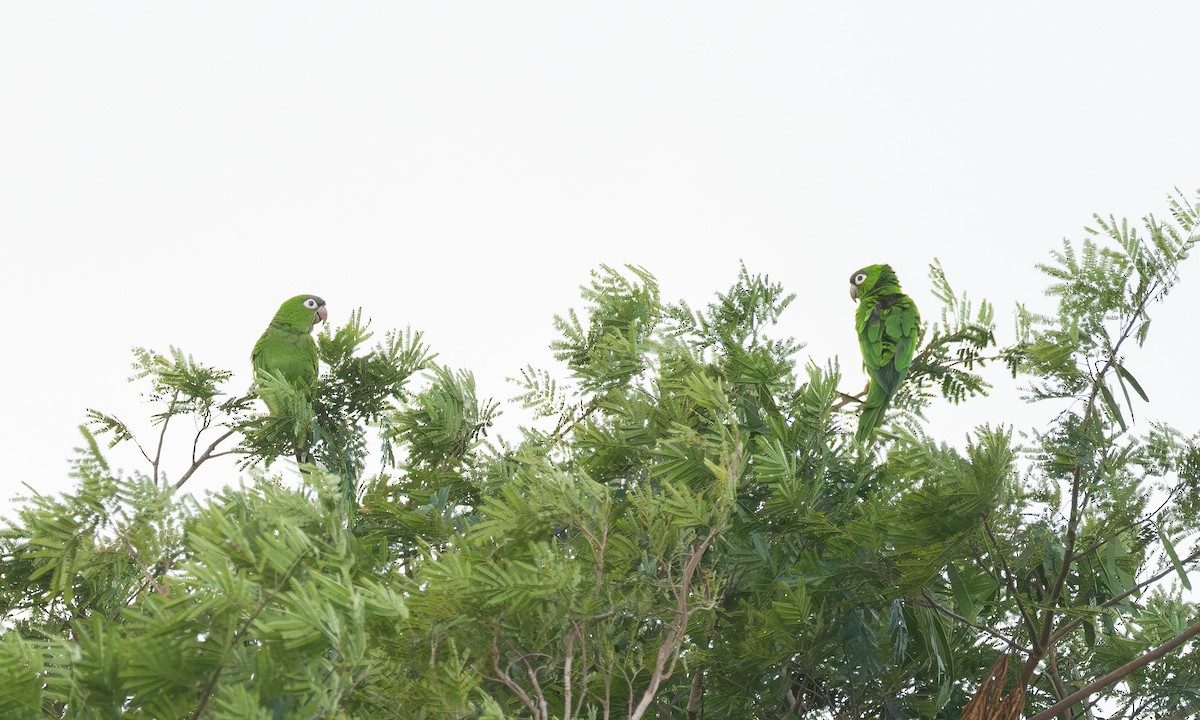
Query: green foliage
{"x": 263, "y": 601}
{"x": 357, "y": 390}
{"x": 686, "y": 528}
{"x": 609, "y": 353}
{"x": 953, "y": 347}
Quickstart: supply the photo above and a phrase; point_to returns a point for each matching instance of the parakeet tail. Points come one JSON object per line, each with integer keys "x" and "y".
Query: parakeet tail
{"x": 869, "y": 420}
{"x": 873, "y": 411}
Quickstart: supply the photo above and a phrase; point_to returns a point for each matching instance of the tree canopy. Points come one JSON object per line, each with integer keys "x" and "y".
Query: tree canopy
{"x": 687, "y": 527}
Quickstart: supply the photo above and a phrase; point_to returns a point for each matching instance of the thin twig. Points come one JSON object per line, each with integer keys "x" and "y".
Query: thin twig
{"x": 1061, "y": 580}
{"x": 591, "y": 409}
{"x": 1120, "y": 673}
{"x": 211, "y": 685}
{"x": 978, "y": 626}
{"x": 1030, "y": 623}
{"x": 162, "y": 434}
{"x": 846, "y": 399}
{"x": 584, "y": 667}
{"x": 664, "y": 663}
{"x": 504, "y": 677}
{"x": 1068, "y": 627}
{"x": 1147, "y": 518}
{"x": 1060, "y": 688}
{"x": 570, "y": 653}
{"x": 205, "y": 456}
{"x": 543, "y": 707}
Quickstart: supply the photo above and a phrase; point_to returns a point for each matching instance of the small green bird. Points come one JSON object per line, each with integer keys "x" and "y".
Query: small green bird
{"x": 287, "y": 348}
{"x": 888, "y": 323}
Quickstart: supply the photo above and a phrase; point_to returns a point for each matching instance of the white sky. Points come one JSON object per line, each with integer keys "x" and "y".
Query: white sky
{"x": 170, "y": 172}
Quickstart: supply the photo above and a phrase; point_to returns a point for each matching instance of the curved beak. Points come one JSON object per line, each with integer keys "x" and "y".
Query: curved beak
{"x": 321, "y": 316}
{"x": 854, "y": 293}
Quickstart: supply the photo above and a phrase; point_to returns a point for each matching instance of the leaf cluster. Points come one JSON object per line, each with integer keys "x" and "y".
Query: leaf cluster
{"x": 687, "y": 528}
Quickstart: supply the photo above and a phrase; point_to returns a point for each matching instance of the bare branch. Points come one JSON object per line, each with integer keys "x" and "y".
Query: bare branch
{"x": 543, "y": 707}
{"x": 1120, "y": 673}
{"x": 504, "y": 677}
{"x": 1070, "y": 626}
{"x": 570, "y": 653}
{"x": 208, "y": 454}
{"x": 664, "y": 663}
{"x": 1028, "y": 618}
{"x": 559, "y": 435}
{"x": 1068, "y": 558}
{"x": 931, "y": 601}
{"x": 1060, "y": 688}
{"x": 162, "y": 435}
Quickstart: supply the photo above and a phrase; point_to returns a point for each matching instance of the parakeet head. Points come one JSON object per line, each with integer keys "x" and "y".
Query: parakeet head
{"x": 873, "y": 278}
{"x": 302, "y": 312}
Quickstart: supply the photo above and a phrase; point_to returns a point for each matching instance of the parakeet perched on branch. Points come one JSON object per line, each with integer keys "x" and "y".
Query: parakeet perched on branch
{"x": 887, "y": 322}
{"x": 287, "y": 349}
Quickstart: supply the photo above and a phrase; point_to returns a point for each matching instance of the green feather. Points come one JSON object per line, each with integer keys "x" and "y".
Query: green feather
{"x": 287, "y": 349}
{"x": 888, "y": 324}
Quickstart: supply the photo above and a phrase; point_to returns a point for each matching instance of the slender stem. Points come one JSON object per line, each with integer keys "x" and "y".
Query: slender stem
{"x": 1060, "y": 689}
{"x": 208, "y": 454}
{"x": 570, "y": 653}
{"x": 1148, "y": 517}
{"x": 978, "y": 626}
{"x": 162, "y": 435}
{"x": 1066, "y": 629}
{"x": 560, "y": 435}
{"x": 1063, "y": 572}
{"x": 543, "y": 706}
{"x": 211, "y": 685}
{"x": 584, "y": 668}
{"x": 504, "y": 677}
{"x": 846, "y": 399}
{"x": 1119, "y": 674}
{"x": 664, "y": 663}
{"x": 1026, "y": 616}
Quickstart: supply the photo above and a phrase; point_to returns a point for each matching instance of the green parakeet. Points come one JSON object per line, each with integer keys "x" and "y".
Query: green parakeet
{"x": 287, "y": 348}
{"x": 887, "y": 322}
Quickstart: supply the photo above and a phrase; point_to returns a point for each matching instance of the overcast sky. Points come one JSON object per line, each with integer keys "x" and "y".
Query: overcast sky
{"x": 170, "y": 172}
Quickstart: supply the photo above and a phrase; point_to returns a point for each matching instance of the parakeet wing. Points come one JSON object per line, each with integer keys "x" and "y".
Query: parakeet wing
{"x": 887, "y": 333}
{"x": 292, "y": 355}
{"x": 287, "y": 348}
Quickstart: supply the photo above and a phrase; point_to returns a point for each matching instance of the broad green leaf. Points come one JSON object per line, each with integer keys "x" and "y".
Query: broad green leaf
{"x": 962, "y": 597}
{"x": 1170, "y": 549}
{"x": 1111, "y": 404}
{"x": 1126, "y": 376}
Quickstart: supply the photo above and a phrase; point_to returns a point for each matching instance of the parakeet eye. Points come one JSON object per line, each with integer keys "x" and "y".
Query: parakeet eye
{"x": 860, "y": 278}
{"x": 310, "y": 304}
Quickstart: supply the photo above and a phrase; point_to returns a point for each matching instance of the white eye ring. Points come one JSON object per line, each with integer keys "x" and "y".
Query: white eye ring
{"x": 860, "y": 278}
{"x": 310, "y": 304}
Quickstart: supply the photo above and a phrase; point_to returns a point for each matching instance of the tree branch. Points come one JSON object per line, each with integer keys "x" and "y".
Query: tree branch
{"x": 211, "y": 685}
{"x": 543, "y": 707}
{"x": 668, "y": 651}
{"x": 504, "y": 677}
{"x": 560, "y": 435}
{"x": 1068, "y": 627}
{"x": 570, "y": 653}
{"x": 1026, "y": 616}
{"x": 204, "y": 457}
{"x": 162, "y": 434}
{"x": 1060, "y": 689}
{"x": 978, "y": 626}
{"x": 1120, "y": 673}
{"x": 1060, "y": 581}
